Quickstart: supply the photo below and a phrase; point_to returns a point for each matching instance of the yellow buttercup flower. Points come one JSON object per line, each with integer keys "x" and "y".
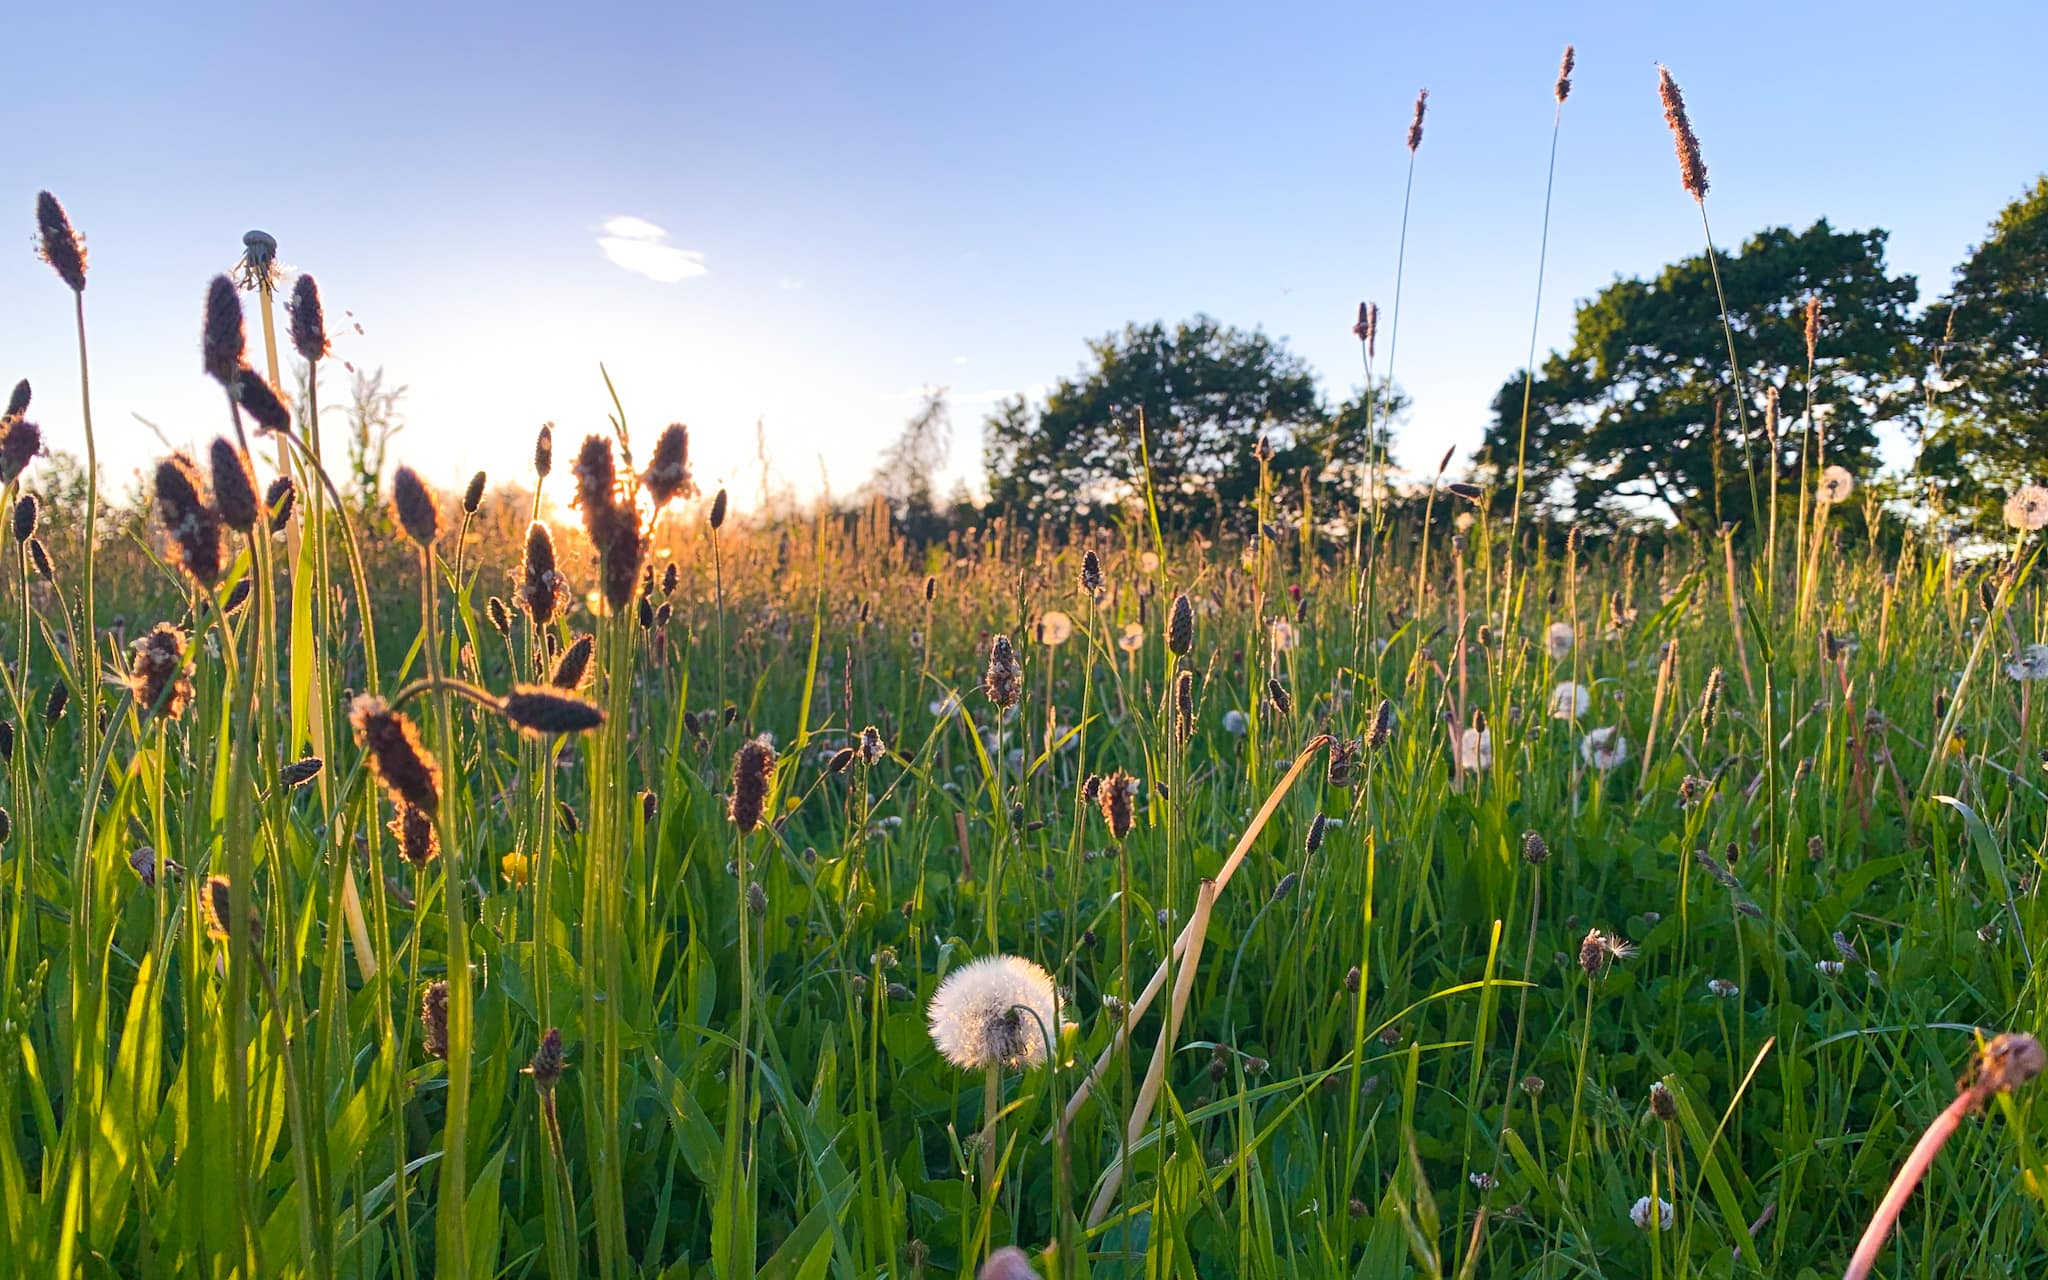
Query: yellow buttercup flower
{"x": 517, "y": 869}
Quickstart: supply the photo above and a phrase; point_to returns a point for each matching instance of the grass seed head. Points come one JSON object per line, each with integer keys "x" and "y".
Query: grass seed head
{"x": 309, "y": 320}
{"x": 1180, "y": 626}
{"x": 668, "y": 475}
{"x": 403, "y": 765}
{"x": 717, "y": 517}
{"x": 473, "y": 495}
{"x": 548, "y": 712}
{"x": 39, "y": 556}
{"x": 418, "y": 842}
{"x": 1184, "y": 706}
{"x": 221, "y": 342}
{"x": 1564, "y": 74}
{"x": 157, "y": 678}
{"x": 540, "y": 586}
{"x": 300, "y": 772}
{"x": 572, "y": 669}
{"x": 21, "y": 442}
{"x": 434, "y": 1019}
{"x": 548, "y": 1061}
{"x": 1003, "y": 681}
{"x": 500, "y": 615}
{"x": 753, "y": 773}
{"x": 1415, "y": 125}
{"x": 190, "y": 520}
{"x": 278, "y": 499}
{"x": 260, "y": 401}
{"x": 1115, "y": 795}
{"x": 417, "y": 514}
{"x": 216, "y": 903}
{"x": 58, "y": 244}
{"x": 1692, "y": 170}
{"x": 234, "y": 485}
{"x": 27, "y": 511}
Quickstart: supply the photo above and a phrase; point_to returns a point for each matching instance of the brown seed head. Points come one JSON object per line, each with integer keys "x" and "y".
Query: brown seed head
{"x": 473, "y": 496}
{"x": 1813, "y": 326}
{"x": 300, "y": 772}
{"x": 1415, "y": 125}
{"x": 309, "y": 321}
{"x": 670, "y": 579}
{"x": 157, "y": 678}
{"x": 668, "y": 476}
{"x": 418, "y": 842}
{"x": 718, "y": 504}
{"x": 1091, "y": 572}
{"x": 1184, "y": 706}
{"x": 217, "y": 904}
{"x": 1277, "y": 695}
{"x": 1003, "y": 682}
{"x": 548, "y": 1061}
{"x": 434, "y": 1020}
{"x": 260, "y": 401}
{"x": 1340, "y": 767}
{"x": 500, "y": 615}
{"x": 544, "y": 711}
{"x": 21, "y": 442}
{"x": 871, "y": 748}
{"x": 58, "y": 244}
{"x": 572, "y": 669}
{"x": 1564, "y": 74}
{"x": 1318, "y": 828}
{"x": 597, "y": 489}
{"x": 278, "y": 499}
{"x": 540, "y": 587}
{"x": 1663, "y": 1104}
{"x": 753, "y": 773}
{"x": 623, "y": 554}
{"x": 407, "y": 771}
{"x": 1115, "y": 798}
{"x": 2007, "y": 1062}
{"x": 234, "y": 485}
{"x": 192, "y": 523}
{"x": 220, "y": 340}
{"x": 27, "y": 511}
{"x": 1534, "y": 851}
{"x": 1692, "y": 170}
{"x": 544, "y": 451}
{"x": 1180, "y": 626}
{"x": 53, "y": 706}
{"x": 417, "y": 514}
{"x": 39, "y": 556}
{"x": 17, "y": 401}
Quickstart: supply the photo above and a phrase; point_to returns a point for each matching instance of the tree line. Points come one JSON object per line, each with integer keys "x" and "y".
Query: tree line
{"x": 1642, "y": 418}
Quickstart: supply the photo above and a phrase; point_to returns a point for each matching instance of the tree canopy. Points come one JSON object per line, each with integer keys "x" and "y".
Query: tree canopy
{"x": 1206, "y": 395}
{"x": 1642, "y": 412}
{"x": 1989, "y": 342}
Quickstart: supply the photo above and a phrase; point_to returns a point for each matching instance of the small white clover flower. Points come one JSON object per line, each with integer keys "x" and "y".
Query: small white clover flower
{"x": 998, "y": 1011}
{"x": 1570, "y": 700}
{"x": 1828, "y": 968}
{"x": 1604, "y": 748}
{"x": 2027, "y": 508}
{"x": 1640, "y": 1214}
{"x": 1559, "y": 639}
{"x": 1722, "y": 989}
{"x": 1835, "y": 484}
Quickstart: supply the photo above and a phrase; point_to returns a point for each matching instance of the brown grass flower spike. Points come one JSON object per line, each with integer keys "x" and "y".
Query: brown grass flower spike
{"x": 157, "y": 679}
{"x": 547, "y": 712}
{"x": 57, "y": 244}
{"x": 753, "y": 774}
{"x": 1415, "y": 125}
{"x": 402, "y": 764}
{"x": 415, "y": 508}
{"x": 1564, "y": 74}
{"x": 1003, "y": 681}
{"x": 190, "y": 520}
{"x": 1692, "y": 170}
{"x": 234, "y": 486}
{"x": 309, "y": 320}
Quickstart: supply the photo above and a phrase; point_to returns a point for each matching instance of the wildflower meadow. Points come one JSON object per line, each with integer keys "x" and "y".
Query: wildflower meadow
{"x": 572, "y": 875}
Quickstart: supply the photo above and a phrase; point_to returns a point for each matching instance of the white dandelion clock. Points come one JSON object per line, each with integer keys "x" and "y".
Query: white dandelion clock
{"x": 1148, "y": 561}
{"x": 1054, "y": 627}
{"x": 2030, "y": 665}
{"x": 1234, "y": 723}
{"x": 1570, "y": 700}
{"x": 1836, "y": 484}
{"x": 1604, "y": 748}
{"x": 1640, "y": 1214}
{"x": 1475, "y": 749}
{"x": 1133, "y": 638}
{"x": 2027, "y": 509}
{"x": 1559, "y": 639}
{"x": 1284, "y": 635}
{"x": 999, "y": 1011}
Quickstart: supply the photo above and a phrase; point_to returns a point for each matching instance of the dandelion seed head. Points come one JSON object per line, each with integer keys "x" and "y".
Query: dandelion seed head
{"x": 998, "y": 1011}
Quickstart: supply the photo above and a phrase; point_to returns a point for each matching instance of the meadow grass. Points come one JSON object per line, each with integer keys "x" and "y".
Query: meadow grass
{"x": 437, "y": 895}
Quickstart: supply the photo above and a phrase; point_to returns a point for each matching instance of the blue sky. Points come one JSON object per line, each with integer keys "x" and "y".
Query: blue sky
{"x": 844, "y": 203}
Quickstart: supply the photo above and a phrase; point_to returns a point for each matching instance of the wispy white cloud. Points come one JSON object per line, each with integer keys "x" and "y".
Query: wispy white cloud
{"x": 959, "y": 359}
{"x": 642, "y": 247}
{"x": 789, "y": 284}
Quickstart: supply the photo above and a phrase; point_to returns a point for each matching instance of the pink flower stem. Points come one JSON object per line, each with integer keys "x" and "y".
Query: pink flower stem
{"x": 1908, "y": 1178}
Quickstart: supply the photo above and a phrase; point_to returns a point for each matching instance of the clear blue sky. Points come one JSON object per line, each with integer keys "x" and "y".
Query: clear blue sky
{"x": 858, "y": 200}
